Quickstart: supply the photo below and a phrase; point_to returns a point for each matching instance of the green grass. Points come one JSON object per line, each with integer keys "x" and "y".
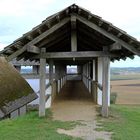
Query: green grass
{"x": 31, "y": 127}
{"x": 124, "y": 122}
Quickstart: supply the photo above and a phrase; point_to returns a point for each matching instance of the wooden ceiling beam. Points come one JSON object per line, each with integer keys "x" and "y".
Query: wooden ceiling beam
{"x": 115, "y": 46}
{"x": 33, "y": 49}
{"x": 82, "y": 54}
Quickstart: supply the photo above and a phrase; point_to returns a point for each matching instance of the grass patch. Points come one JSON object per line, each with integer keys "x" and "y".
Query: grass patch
{"x": 32, "y": 127}
{"x": 124, "y": 122}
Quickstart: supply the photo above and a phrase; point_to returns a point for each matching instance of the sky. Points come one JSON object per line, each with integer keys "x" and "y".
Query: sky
{"x": 19, "y": 16}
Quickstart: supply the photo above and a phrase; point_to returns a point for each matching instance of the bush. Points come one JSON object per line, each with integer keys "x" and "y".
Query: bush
{"x": 113, "y": 98}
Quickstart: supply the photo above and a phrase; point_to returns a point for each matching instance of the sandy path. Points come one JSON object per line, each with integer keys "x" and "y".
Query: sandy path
{"x": 75, "y": 103}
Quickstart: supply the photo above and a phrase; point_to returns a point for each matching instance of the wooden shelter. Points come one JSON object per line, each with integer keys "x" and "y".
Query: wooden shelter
{"x": 74, "y": 36}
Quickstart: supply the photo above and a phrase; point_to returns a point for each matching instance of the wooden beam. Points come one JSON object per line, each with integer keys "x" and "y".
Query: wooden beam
{"x": 33, "y": 49}
{"x": 39, "y": 38}
{"x": 106, "y": 86}
{"x": 42, "y": 85}
{"x": 109, "y": 35}
{"x": 84, "y": 54}
{"x": 73, "y": 34}
{"x": 115, "y": 46}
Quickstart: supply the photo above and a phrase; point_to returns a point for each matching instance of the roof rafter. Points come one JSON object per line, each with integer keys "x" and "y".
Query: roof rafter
{"x": 39, "y": 38}
{"x": 105, "y": 33}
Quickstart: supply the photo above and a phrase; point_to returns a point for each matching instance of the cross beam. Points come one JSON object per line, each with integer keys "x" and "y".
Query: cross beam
{"x": 82, "y": 54}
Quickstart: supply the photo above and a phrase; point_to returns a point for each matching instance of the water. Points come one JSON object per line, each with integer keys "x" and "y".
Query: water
{"x": 34, "y": 83}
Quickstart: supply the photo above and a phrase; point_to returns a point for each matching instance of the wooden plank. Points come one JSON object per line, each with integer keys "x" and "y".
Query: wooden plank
{"x": 106, "y": 85}
{"x": 105, "y": 33}
{"x": 33, "y": 49}
{"x": 38, "y": 38}
{"x": 42, "y": 86}
{"x": 86, "y": 54}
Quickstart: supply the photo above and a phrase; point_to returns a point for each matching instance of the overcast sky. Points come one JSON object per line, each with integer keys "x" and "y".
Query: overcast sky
{"x": 19, "y": 16}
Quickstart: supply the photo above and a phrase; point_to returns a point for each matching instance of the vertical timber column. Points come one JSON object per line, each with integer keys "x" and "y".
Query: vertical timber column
{"x": 57, "y": 76}
{"x": 106, "y": 86}
{"x": 87, "y": 74}
{"x": 65, "y": 69}
{"x": 100, "y": 69}
{"x": 79, "y": 71}
{"x": 94, "y": 86}
{"x": 35, "y": 69}
{"x": 51, "y": 71}
{"x": 42, "y": 85}
{"x": 73, "y": 34}
{"x": 93, "y": 70}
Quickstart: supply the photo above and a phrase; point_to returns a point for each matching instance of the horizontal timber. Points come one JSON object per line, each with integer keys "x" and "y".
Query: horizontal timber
{"x": 82, "y": 54}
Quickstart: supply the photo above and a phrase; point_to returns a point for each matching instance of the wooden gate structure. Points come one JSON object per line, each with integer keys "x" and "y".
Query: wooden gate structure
{"x": 74, "y": 36}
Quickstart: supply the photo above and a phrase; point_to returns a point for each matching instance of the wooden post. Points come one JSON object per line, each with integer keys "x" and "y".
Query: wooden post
{"x": 35, "y": 69}
{"x": 94, "y": 86}
{"x": 94, "y": 91}
{"x": 106, "y": 85}
{"x": 73, "y": 34}
{"x": 42, "y": 85}
{"x": 51, "y": 71}
{"x": 57, "y": 76}
{"x": 100, "y": 67}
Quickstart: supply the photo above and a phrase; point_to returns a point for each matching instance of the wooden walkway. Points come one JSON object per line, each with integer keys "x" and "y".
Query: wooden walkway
{"x": 74, "y": 102}
{"x": 74, "y": 90}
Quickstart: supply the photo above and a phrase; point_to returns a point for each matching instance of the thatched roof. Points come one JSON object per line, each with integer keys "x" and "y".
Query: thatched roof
{"x": 15, "y": 92}
{"x": 93, "y": 33}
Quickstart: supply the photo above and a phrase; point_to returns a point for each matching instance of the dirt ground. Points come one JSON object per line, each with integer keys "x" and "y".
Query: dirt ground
{"x": 74, "y": 103}
{"x": 128, "y": 91}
